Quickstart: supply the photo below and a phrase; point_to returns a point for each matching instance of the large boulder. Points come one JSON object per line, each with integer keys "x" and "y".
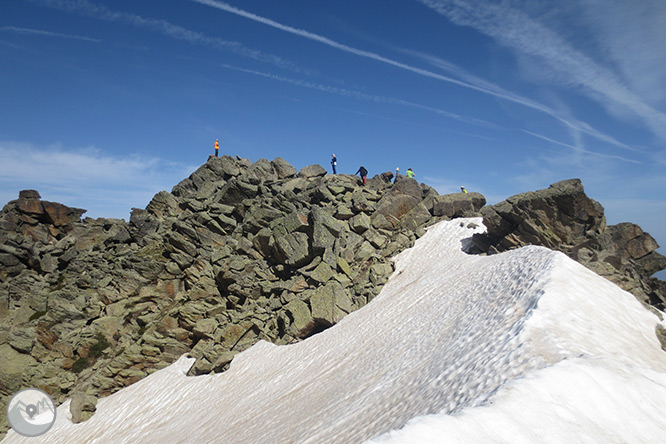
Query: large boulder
{"x": 283, "y": 168}
{"x": 312, "y": 171}
{"x": 458, "y": 205}
{"x": 560, "y": 214}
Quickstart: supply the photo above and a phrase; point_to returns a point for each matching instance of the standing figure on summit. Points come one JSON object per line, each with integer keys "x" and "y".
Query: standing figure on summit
{"x": 334, "y": 162}
{"x": 217, "y": 147}
{"x": 364, "y": 174}
{"x": 410, "y": 173}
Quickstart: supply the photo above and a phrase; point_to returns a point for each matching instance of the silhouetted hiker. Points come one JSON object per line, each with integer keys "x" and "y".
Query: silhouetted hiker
{"x": 397, "y": 173}
{"x": 364, "y": 174}
{"x": 410, "y": 173}
{"x": 462, "y": 189}
{"x": 217, "y": 147}
{"x": 334, "y": 162}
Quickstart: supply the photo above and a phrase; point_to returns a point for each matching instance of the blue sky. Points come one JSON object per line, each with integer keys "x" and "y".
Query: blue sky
{"x": 105, "y": 103}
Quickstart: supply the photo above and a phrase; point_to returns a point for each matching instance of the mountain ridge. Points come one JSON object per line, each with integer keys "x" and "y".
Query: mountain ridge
{"x": 242, "y": 251}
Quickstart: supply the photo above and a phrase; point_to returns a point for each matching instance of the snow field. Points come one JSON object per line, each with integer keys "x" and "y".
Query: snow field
{"x": 526, "y": 346}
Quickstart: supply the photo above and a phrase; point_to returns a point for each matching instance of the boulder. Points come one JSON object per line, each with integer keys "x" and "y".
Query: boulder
{"x": 312, "y": 171}
{"x": 283, "y": 168}
{"x": 458, "y": 205}
{"x": 292, "y": 248}
{"x": 561, "y": 214}
{"x": 302, "y": 322}
{"x": 60, "y": 215}
{"x": 29, "y": 202}
{"x": 330, "y": 304}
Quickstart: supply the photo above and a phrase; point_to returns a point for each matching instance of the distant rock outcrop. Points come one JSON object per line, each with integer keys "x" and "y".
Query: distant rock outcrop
{"x": 563, "y": 218}
{"x": 239, "y": 252}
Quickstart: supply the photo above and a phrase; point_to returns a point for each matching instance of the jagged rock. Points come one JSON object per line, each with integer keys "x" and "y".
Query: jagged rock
{"x": 408, "y": 186}
{"x": 302, "y": 322}
{"x": 163, "y": 204}
{"x": 82, "y": 406}
{"x": 416, "y": 217}
{"x": 392, "y": 207}
{"x": 312, "y": 171}
{"x": 14, "y": 367}
{"x": 360, "y": 223}
{"x": 283, "y": 169}
{"x": 561, "y": 214}
{"x": 292, "y": 248}
{"x": 458, "y": 205}
{"x": 563, "y": 218}
{"x": 322, "y": 273}
{"x": 330, "y": 304}
{"x": 29, "y": 202}
{"x": 60, "y": 215}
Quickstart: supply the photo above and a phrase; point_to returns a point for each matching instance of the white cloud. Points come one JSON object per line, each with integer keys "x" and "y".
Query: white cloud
{"x": 107, "y": 186}
{"x": 632, "y": 35}
{"x": 553, "y": 56}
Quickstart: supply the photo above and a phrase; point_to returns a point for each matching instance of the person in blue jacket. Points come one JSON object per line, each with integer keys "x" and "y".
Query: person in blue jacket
{"x": 334, "y": 162}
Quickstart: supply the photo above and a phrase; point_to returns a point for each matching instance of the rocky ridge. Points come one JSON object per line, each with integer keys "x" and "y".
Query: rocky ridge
{"x": 240, "y": 252}
{"x": 237, "y": 252}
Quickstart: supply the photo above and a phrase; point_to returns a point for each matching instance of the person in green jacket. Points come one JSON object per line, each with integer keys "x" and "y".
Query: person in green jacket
{"x": 410, "y": 173}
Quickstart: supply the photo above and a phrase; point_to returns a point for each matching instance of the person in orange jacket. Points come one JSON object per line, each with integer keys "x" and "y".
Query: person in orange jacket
{"x": 217, "y": 147}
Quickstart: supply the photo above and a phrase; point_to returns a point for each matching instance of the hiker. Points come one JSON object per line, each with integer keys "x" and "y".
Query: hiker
{"x": 364, "y": 174}
{"x": 410, "y": 173}
{"x": 334, "y": 162}
{"x": 217, "y": 147}
{"x": 397, "y": 173}
{"x": 462, "y": 189}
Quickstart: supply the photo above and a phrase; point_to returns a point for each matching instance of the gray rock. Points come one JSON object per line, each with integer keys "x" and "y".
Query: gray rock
{"x": 302, "y": 322}
{"x": 312, "y": 171}
{"x": 292, "y": 248}
{"x": 283, "y": 168}
{"x": 360, "y": 223}
{"x": 458, "y": 205}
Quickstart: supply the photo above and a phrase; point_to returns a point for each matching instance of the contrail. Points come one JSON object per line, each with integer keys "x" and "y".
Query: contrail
{"x": 360, "y": 95}
{"x": 579, "y": 149}
{"x": 47, "y": 33}
{"x": 164, "y": 27}
{"x": 580, "y": 126}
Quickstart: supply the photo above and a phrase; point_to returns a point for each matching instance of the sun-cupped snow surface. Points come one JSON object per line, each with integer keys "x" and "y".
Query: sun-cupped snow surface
{"x": 607, "y": 383}
{"x": 525, "y": 346}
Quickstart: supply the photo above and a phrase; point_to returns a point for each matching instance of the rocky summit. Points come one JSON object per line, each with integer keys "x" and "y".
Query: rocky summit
{"x": 240, "y": 252}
